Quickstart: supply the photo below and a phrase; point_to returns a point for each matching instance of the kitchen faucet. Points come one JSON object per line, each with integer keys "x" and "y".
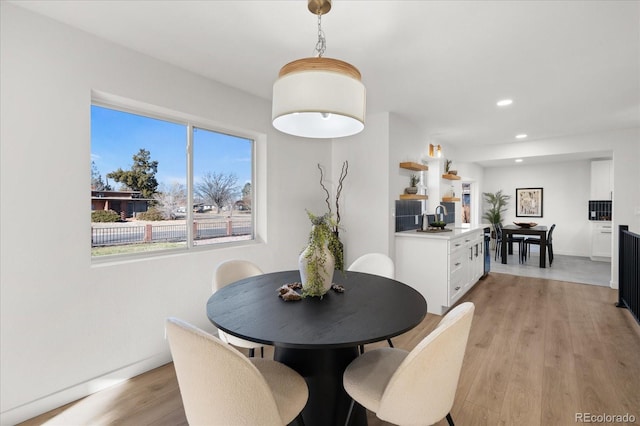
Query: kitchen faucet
{"x": 443, "y": 210}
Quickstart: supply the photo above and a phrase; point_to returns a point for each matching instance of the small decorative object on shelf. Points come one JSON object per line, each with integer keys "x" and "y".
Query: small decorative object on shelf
{"x": 413, "y": 188}
{"x": 448, "y": 170}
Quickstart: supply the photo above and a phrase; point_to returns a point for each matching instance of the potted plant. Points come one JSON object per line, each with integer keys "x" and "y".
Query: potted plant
{"x": 316, "y": 261}
{"x": 413, "y": 185}
{"x": 497, "y": 207}
{"x": 447, "y": 168}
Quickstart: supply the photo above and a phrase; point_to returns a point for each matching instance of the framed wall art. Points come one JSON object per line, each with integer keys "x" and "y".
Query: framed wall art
{"x": 528, "y": 202}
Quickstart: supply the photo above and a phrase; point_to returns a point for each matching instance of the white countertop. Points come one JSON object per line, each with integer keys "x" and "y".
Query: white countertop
{"x": 454, "y": 233}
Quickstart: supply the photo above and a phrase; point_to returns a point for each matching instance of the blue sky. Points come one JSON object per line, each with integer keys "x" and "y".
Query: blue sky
{"x": 116, "y": 136}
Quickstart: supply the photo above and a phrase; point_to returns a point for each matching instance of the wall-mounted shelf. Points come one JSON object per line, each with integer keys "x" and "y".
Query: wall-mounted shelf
{"x": 450, "y": 199}
{"x": 413, "y": 197}
{"x": 450, "y": 177}
{"x": 410, "y": 165}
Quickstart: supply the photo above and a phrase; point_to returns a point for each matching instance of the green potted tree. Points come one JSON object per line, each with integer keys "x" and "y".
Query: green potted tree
{"x": 497, "y": 207}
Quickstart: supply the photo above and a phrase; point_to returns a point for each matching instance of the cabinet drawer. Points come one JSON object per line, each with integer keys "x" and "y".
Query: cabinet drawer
{"x": 457, "y": 261}
{"x": 456, "y": 245}
{"x": 456, "y": 283}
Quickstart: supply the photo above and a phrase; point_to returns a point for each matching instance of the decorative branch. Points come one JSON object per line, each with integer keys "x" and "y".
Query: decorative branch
{"x": 343, "y": 175}
{"x": 325, "y": 188}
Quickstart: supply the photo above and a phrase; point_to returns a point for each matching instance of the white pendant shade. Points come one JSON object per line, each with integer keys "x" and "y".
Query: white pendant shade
{"x": 319, "y": 98}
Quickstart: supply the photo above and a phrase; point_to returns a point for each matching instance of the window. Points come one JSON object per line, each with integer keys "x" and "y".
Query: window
{"x": 143, "y": 197}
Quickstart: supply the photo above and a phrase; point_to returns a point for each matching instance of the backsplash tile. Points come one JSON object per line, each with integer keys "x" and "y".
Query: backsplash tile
{"x": 600, "y": 209}
{"x": 450, "y": 217}
{"x": 407, "y": 211}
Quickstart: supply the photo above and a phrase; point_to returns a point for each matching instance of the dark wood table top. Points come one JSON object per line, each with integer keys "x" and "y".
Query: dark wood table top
{"x": 534, "y": 229}
{"x": 372, "y": 308}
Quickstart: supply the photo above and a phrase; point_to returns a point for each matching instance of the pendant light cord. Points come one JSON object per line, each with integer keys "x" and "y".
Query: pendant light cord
{"x": 321, "y": 45}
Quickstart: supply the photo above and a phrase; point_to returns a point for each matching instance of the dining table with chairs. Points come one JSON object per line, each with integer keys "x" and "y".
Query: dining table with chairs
{"x": 537, "y": 232}
{"x": 318, "y": 337}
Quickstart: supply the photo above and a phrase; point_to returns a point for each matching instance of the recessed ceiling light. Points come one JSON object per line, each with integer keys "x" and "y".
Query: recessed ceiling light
{"x": 504, "y": 102}
{"x": 521, "y": 136}
{"x": 518, "y": 160}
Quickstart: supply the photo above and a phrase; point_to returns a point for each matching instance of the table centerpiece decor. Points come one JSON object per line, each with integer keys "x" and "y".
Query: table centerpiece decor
{"x": 316, "y": 262}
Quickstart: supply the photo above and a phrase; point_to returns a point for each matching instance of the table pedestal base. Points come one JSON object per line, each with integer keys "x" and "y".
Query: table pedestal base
{"x": 322, "y": 369}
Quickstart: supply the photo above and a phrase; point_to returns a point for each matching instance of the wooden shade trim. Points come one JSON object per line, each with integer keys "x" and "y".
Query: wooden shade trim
{"x": 321, "y": 64}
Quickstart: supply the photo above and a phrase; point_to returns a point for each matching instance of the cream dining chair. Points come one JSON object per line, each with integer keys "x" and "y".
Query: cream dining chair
{"x": 225, "y": 274}
{"x": 417, "y": 387}
{"x": 220, "y": 386}
{"x": 375, "y": 264}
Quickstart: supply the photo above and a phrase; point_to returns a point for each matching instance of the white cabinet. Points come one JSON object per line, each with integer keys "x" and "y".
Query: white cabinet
{"x": 601, "y": 180}
{"x": 601, "y": 241}
{"x": 441, "y": 269}
{"x": 459, "y": 268}
{"x": 477, "y": 261}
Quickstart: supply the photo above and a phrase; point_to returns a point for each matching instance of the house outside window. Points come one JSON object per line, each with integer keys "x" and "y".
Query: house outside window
{"x": 160, "y": 183}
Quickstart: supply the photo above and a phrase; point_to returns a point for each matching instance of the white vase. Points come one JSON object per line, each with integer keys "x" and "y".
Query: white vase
{"x": 316, "y": 286}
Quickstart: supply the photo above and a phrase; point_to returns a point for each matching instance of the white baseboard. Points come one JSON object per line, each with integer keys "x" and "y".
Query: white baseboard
{"x": 600, "y": 259}
{"x": 73, "y": 393}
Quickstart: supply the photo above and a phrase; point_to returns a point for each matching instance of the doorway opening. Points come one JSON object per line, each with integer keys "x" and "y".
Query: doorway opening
{"x": 465, "y": 219}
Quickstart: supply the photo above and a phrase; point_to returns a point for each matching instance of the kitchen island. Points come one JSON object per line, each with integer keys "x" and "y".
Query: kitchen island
{"x": 442, "y": 266}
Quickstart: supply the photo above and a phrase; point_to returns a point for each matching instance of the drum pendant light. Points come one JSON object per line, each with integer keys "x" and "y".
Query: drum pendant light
{"x": 319, "y": 97}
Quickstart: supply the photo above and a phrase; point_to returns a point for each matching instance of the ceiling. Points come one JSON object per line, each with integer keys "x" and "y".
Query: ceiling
{"x": 571, "y": 67}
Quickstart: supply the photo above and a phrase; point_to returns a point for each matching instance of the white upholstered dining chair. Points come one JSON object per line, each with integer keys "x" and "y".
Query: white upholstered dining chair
{"x": 220, "y": 386}
{"x": 375, "y": 264}
{"x": 417, "y": 387}
{"x": 225, "y": 274}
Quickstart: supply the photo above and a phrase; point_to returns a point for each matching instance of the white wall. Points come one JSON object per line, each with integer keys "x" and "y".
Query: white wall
{"x": 565, "y": 199}
{"x": 65, "y": 322}
{"x": 364, "y": 203}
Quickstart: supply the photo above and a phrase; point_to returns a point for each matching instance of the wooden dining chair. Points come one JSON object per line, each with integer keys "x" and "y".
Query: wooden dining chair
{"x": 375, "y": 264}
{"x": 225, "y": 274}
{"x": 417, "y": 387}
{"x": 220, "y": 386}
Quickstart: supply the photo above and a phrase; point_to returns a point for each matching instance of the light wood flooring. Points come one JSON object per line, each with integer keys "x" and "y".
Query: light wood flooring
{"x": 539, "y": 352}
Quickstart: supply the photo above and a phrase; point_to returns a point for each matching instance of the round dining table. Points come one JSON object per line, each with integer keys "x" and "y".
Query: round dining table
{"x": 318, "y": 337}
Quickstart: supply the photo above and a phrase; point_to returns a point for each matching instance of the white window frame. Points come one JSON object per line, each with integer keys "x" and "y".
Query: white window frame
{"x": 191, "y": 122}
